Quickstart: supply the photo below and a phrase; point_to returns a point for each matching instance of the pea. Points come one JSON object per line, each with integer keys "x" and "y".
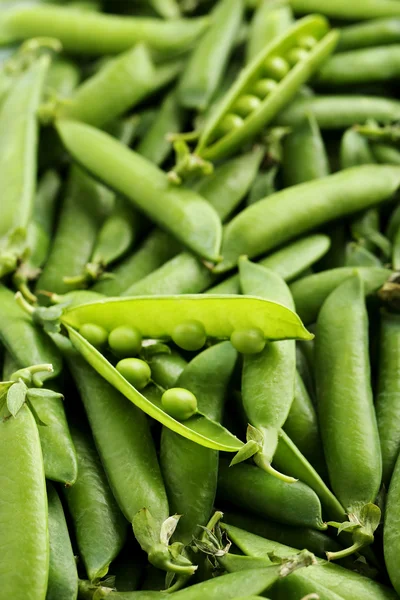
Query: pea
{"x": 248, "y": 341}
{"x": 264, "y": 87}
{"x": 276, "y": 67}
{"x": 246, "y": 104}
{"x": 136, "y": 371}
{"x": 125, "y": 340}
{"x": 94, "y": 334}
{"x": 229, "y": 123}
{"x": 179, "y": 403}
{"x": 296, "y": 55}
{"x": 307, "y": 41}
{"x": 190, "y": 335}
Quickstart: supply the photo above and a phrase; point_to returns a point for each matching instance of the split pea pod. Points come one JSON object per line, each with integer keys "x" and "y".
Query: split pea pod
{"x": 265, "y": 86}
{"x": 63, "y": 576}
{"x": 345, "y": 399}
{"x": 371, "y": 33}
{"x": 99, "y": 526}
{"x": 293, "y": 211}
{"x": 348, "y": 583}
{"x": 23, "y": 509}
{"x": 310, "y": 292}
{"x": 304, "y": 154}
{"x": 205, "y": 67}
{"x": 340, "y": 111}
{"x": 270, "y": 20}
{"x": 181, "y": 211}
{"x": 19, "y": 132}
{"x": 96, "y": 33}
{"x": 190, "y": 471}
{"x": 268, "y": 378}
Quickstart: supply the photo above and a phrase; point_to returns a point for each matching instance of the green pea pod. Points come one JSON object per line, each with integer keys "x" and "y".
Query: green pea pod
{"x": 190, "y": 471}
{"x": 354, "y": 150}
{"x": 349, "y": 583}
{"x": 166, "y": 368}
{"x": 366, "y": 229}
{"x": 298, "y": 209}
{"x": 23, "y": 509}
{"x": 205, "y": 68}
{"x": 96, "y": 33}
{"x": 157, "y": 317}
{"x": 385, "y": 154}
{"x": 288, "y": 262}
{"x": 339, "y": 111}
{"x": 358, "y": 256}
{"x": 309, "y": 293}
{"x": 390, "y": 537}
{"x": 298, "y": 537}
{"x": 226, "y": 187}
{"x": 252, "y": 489}
{"x": 154, "y": 145}
{"x": 100, "y": 528}
{"x": 369, "y": 9}
{"x": 181, "y": 211}
{"x": 268, "y": 378}
{"x": 156, "y": 249}
{"x": 270, "y": 20}
{"x": 264, "y": 185}
{"x": 371, "y": 33}
{"x": 168, "y": 9}
{"x": 63, "y": 576}
{"x": 84, "y": 208}
{"x": 62, "y": 78}
{"x": 182, "y": 274}
{"x": 302, "y": 427}
{"x": 304, "y": 154}
{"x": 198, "y": 428}
{"x": 19, "y": 132}
{"x": 221, "y": 138}
{"x": 352, "y": 448}
{"x": 388, "y": 392}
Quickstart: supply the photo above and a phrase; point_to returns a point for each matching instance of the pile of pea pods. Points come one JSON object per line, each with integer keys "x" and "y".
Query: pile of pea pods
{"x": 199, "y": 299}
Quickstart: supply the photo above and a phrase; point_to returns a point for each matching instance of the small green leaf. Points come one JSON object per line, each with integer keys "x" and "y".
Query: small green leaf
{"x": 34, "y": 393}
{"x": 16, "y": 396}
{"x": 247, "y": 451}
{"x": 168, "y": 529}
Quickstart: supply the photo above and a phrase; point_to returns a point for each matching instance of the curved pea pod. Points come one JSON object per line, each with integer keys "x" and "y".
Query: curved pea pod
{"x": 63, "y": 576}
{"x": 268, "y": 378}
{"x": 304, "y": 154}
{"x": 309, "y": 293}
{"x": 23, "y": 509}
{"x": 288, "y": 262}
{"x": 358, "y": 256}
{"x": 270, "y": 20}
{"x": 190, "y": 471}
{"x": 354, "y": 150}
{"x": 182, "y": 212}
{"x": 339, "y": 111}
{"x": 19, "y": 132}
{"x": 99, "y": 526}
{"x": 293, "y": 211}
{"x": 388, "y": 392}
{"x": 86, "y": 32}
{"x": 371, "y": 33}
{"x": 206, "y": 65}
{"x": 352, "y": 447}
{"x": 348, "y": 583}
{"x": 385, "y": 154}
{"x": 298, "y": 537}
{"x": 154, "y": 251}
{"x": 252, "y": 489}
{"x": 219, "y": 140}
{"x": 369, "y": 9}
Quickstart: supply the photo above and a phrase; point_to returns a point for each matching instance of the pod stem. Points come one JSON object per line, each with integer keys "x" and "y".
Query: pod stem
{"x": 362, "y": 524}
{"x": 345, "y": 552}
{"x": 266, "y": 466}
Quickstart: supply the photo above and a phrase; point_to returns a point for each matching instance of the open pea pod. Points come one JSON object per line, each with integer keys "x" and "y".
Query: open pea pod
{"x": 197, "y": 428}
{"x": 157, "y": 316}
{"x": 266, "y": 85}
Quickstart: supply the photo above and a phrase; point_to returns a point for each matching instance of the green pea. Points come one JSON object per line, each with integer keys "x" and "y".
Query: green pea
{"x": 296, "y": 55}
{"x": 179, "y": 403}
{"x": 136, "y": 371}
{"x": 276, "y": 67}
{"x": 307, "y": 41}
{"x": 229, "y": 123}
{"x": 95, "y": 334}
{"x": 248, "y": 341}
{"x": 125, "y": 340}
{"x": 246, "y": 104}
{"x": 264, "y": 87}
{"x": 190, "y": 335}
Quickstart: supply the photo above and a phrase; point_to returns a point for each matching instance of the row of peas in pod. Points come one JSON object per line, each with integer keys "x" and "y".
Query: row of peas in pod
{"x": 199, "y": 299}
